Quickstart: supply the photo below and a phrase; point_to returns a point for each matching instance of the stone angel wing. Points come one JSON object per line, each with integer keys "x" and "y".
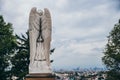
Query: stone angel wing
{"x": 46, "y": 30}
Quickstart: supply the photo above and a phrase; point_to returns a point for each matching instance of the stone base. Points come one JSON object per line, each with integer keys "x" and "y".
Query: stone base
{"x": 44, "y": 76}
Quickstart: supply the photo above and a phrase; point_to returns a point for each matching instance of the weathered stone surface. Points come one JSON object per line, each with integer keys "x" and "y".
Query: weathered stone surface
{"x": 40, "y": 38}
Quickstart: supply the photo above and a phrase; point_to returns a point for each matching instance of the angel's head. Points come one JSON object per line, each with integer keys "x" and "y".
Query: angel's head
{"x": 35, "y": 11}
{"x": 40, "y": 12}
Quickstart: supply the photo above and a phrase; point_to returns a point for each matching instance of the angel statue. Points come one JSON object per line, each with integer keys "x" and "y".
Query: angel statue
{"x": 40, "y": 38}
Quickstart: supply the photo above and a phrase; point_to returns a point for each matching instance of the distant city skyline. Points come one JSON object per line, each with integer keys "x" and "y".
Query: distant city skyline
{"x": 80, "y": 28}
{"x": 81, "y": 69}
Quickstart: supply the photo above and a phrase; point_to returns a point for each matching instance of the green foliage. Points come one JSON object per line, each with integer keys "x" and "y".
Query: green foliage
{"x": 7, "y": 47}
{"x": 20, "y": 60}
{"x": 113, "y": 75}
{"x": 112, "y": 53}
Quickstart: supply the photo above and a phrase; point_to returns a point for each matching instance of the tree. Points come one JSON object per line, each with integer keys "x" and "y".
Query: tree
{"x": 20, "y": 60}
{"x": 111, "y": 56}
{"x": 7, "y": 47}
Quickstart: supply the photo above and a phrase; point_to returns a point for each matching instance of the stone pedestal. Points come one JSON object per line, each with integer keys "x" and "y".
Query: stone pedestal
{"x": 40, "y": 77}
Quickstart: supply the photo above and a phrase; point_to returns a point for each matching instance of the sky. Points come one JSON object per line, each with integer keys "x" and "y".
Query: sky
{"x": 79, "y": 27}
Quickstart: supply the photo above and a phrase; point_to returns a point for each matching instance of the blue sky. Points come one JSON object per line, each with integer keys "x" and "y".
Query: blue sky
{"x": 80, "y": 27}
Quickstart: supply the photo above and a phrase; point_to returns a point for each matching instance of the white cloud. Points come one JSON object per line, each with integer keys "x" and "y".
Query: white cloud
{"x": 61, "y": 3}
{"x": 77, "y": 53}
